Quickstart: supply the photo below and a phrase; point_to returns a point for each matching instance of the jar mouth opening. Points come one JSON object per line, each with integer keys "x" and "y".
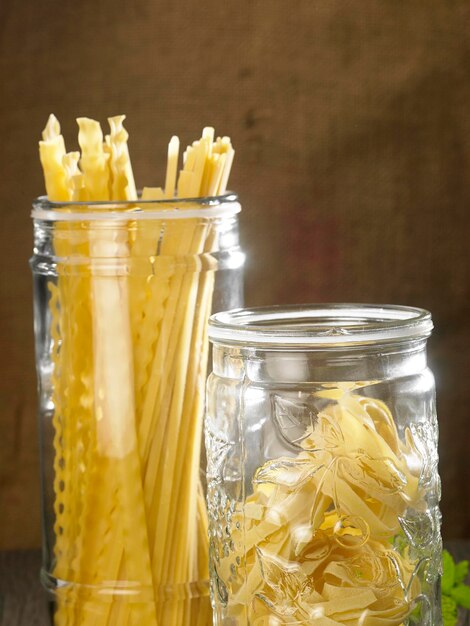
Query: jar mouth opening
{"x": 225, "y": 205}
{"x": 324, "y": 325}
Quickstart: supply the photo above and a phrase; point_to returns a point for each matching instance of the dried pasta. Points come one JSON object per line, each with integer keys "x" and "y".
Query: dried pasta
{"x": 315, "y": 535}
{"x": 130, "y": 356}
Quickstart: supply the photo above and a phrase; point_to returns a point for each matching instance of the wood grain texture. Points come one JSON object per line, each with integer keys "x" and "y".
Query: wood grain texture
{"x": 23, "y": 601}
{"x": 350, "y": 120}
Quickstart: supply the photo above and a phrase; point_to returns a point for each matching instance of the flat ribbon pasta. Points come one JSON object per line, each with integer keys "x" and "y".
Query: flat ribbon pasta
{"x": 316, "y": 531}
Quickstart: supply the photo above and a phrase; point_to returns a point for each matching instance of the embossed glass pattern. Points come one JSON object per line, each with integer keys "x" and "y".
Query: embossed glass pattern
{"x": 323, "y": 488}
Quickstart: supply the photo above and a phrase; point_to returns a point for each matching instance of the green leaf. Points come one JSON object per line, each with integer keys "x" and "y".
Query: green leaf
{"x": 461, "y": 594}
{"x": 448, "y": 572}
{"x": 449, "y": 620}
{"x": 449, "y": 611}
{"x": 461, "y": 572}
{"x": 415, "y": 615}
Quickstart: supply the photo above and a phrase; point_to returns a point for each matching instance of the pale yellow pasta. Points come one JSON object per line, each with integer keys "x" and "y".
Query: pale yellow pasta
{"x": 94, "y": 160}
{"x": 51, "y": 154}
{"x": 315, "y": 534}
{"x": 122, "y": 179}
{"x": 129, "y": 417}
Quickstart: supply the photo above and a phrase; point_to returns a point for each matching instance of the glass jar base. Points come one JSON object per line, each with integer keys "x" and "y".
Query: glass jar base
{"x": 120, "y": 603}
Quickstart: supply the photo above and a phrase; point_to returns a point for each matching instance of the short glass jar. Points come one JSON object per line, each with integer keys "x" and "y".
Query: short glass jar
{"x": 122, "y": 295}
{"x": 323, "y": 489}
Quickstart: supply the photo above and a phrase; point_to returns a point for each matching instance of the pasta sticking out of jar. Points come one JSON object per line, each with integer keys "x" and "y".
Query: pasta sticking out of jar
{"x": 125, "y": 284}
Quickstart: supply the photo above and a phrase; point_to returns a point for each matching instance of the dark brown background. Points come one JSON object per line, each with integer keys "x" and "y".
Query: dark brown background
{"x": 350, "y": 120}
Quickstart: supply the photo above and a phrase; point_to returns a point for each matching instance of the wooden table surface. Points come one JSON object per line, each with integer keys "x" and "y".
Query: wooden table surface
{"x": 23, "y": 601}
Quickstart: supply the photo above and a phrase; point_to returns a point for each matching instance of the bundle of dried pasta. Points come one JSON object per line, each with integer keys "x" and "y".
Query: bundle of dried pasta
{"x": 130, "y": 356}
{"x": 316, "y": 534}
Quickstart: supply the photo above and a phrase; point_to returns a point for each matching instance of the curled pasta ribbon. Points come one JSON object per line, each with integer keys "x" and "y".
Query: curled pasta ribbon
{"x": 316, "y": 530}
{"x": 122, "y": 177}
{"x": 73, "y": 176}
{"x": 366, "y": 472}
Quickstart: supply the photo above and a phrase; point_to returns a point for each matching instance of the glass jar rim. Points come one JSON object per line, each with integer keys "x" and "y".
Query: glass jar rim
{"x": 336, "y": 325}
{"x": 225, "y": 205}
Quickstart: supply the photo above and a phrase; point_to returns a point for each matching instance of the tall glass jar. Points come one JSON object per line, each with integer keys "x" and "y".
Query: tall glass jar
{"x": 122, "y": 294}
{"x": 323, "y": 489}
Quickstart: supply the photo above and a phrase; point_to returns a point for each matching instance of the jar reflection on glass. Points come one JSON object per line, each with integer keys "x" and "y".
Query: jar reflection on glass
{"x": 323, "y": 489}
